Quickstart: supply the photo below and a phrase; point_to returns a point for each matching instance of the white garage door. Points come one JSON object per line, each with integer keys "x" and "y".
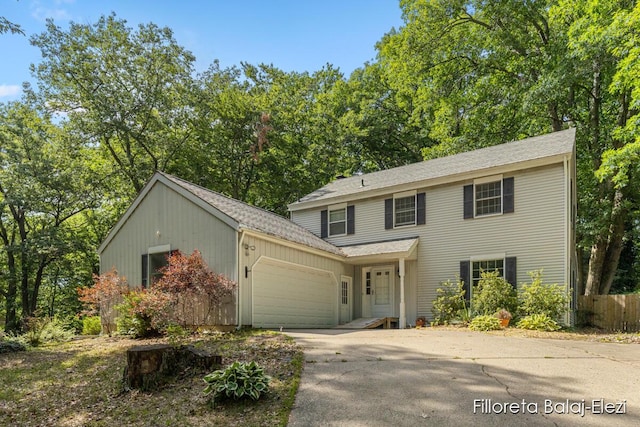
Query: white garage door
{"x": 292, "y": 296}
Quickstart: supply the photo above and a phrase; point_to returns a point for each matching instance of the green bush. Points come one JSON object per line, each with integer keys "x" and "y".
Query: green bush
{"x": 237, "y": 381}
{"x": 42, "y": 330}
{"x": 450, "y": 304}
{"x": 538, "y": 298}
{"x": 11, "y": 346}
{"x": 485, "y": 322}
{"x": 176, "y": 334}
{"x": 91, "y": 325}
{"x": 493, "y": 293}
{"x": 131, "y": 320}
{"x": 538, "y": 322}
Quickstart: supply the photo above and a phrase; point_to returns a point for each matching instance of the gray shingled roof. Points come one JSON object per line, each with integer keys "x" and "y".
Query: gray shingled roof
{"x": 256, "y": 219}
{"x": 511, "y": 153}
{"x": 379, "y": 248}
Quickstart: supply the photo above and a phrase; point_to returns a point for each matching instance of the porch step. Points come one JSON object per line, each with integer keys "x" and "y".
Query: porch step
{"x": 371, "y": 323}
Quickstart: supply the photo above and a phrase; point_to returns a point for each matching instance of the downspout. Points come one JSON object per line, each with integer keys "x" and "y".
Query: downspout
{"x": 403, "y": 316}
{"x": 567, "y": 225}
{"x": 239, "y": 276}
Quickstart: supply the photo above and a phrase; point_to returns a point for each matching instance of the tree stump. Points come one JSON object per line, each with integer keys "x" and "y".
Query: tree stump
{"x": 150, "y": 366}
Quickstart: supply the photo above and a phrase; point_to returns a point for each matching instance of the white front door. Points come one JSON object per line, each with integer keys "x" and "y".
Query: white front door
{"x": 382, "y": 289}
{"x": 346, "y": 287}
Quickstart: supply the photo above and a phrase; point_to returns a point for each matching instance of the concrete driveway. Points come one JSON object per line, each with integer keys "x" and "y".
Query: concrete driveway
{"x": 440, "y": 377}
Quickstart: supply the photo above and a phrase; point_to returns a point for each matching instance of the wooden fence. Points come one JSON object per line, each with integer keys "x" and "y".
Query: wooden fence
{"x": 191, "y": 311}
{"x": 611, "y": 312}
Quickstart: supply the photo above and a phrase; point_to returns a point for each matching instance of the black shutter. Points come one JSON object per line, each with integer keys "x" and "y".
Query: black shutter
{"x": 468, "y": 201}
{"x": 324, "y": 224}
{"x": 351, "y": 219}
{"x": 421, "y": 216}
{"x": 510, "y": 271}
{"x": 145, "y": 270}
{"x": 507, "y": 195}
{"x": 388, "y": 214}
{"x": 465, "y": 276}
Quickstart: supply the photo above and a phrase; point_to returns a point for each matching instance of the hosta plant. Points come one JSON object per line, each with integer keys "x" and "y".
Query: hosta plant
{"x": 538, "y": 322}
{"x": 484, "y": 322}
{"x": 237, "y": 381}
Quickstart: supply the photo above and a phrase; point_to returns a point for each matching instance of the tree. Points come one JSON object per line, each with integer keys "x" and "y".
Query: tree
{"x": 7, "y": 26}
{"x": 44, "y": 187}
{"x": 124, "y": 91}
{"x": 483, "y": 73}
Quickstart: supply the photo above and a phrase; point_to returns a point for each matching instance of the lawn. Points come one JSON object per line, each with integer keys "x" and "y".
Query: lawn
{"x": 79, "y": 383}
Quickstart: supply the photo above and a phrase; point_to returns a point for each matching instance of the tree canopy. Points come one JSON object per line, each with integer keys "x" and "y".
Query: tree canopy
{"x": 112, "y": 104}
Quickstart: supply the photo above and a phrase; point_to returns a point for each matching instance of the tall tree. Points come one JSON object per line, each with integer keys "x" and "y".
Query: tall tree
{"x": 44, "y": 185}
{"x": 489, "y": 72}
{"x": 125, "y": 91}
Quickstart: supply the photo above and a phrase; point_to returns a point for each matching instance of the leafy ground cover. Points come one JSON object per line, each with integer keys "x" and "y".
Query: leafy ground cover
{"x": 79, "y": 383}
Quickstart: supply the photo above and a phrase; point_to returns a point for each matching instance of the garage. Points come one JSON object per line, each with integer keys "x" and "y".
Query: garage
{"x": 292, "y": 296}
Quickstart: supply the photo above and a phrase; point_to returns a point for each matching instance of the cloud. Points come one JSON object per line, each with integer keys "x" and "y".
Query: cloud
{"x": 42, "y": 12}
{"x": 10, "y": 90}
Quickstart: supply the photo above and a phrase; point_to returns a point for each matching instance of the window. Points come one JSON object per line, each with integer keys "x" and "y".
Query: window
{"x": 368, "y": 283}
{"x": 405, "y": 210}
{"x": 338, "y": 221}
{"x": 345, "y": 292}
{"x": 488, "y": 196}
{"x": 471, "y": 270}
{"x": 487, "y": 265}
{"x": 152, "y": 263}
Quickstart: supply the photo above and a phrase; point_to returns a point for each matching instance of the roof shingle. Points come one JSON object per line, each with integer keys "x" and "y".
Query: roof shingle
{"x": 511, "y": 153}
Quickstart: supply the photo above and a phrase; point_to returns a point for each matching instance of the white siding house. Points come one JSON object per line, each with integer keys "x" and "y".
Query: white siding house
{"x": 373, "y": 245}
{"x": 509, "y": 206}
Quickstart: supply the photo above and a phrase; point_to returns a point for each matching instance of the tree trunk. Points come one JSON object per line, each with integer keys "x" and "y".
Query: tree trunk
{"x": 615, "y": 243}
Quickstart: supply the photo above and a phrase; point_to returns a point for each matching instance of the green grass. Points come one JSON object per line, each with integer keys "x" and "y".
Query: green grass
{"x": 79, "y": 383}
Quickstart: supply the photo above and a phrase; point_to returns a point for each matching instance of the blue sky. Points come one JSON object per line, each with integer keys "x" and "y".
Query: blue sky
{"x": 294, "y": 35}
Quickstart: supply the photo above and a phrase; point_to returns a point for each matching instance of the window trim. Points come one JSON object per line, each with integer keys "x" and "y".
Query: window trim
{"x": 488, "y": 180}
{"x": 334, "y": 208}
{"x": 406, "y": 195}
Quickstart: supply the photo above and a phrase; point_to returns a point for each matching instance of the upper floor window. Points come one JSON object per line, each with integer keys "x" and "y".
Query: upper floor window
{"x": 489, "y": 196}
{"x": 404, "y": 210}
{"x": 338, "y": 220}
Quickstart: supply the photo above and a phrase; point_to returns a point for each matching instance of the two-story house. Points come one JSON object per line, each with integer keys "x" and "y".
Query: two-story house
{"x": 375, "y": 245}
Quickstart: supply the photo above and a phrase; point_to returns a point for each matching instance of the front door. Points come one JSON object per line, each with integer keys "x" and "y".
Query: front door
{"x": 382, "y": 291}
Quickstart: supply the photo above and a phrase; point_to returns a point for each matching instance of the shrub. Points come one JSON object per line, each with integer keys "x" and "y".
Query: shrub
{"x": 143, "y": 313}
{"x": 538, "y": 322}
{"x": 104, "y": 296}
{"x": 492, "y": 294}
{"x": 11, "y": 346}
{"x": 538, "y": 298}
{"x": 91, "y": 325}
{"x": 484, "y": 322}
{"x": 176, "y": 334}
{"x": 450, "y": 303}
{"x": 187, "y": 279}
{"x": 237, "y": 381}
{"x": 41, "y": 330}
